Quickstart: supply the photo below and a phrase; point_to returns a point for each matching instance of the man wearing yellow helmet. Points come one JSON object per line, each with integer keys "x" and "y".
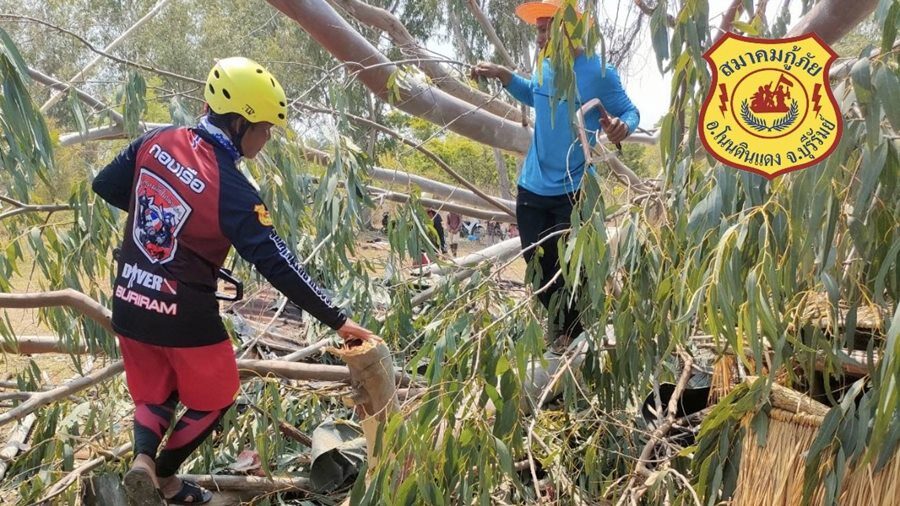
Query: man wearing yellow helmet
{"x": 187, "y": 205}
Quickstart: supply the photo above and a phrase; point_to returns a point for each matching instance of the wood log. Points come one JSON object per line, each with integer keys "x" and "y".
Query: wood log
{"x": 29, "y": 345}
{"x": 372, "y": 372}
{"x": 256, "y": 484}
{"x": 16, "y": 440}
{"x": 438, "y": 205}
{"x": 498, "y": 253}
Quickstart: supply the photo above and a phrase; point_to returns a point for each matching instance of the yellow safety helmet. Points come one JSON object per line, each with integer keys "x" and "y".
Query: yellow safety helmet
{"x": 242, "y": 86}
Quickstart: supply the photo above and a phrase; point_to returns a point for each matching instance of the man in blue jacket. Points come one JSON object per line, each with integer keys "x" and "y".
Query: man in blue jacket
{"x": 553, "y": 169}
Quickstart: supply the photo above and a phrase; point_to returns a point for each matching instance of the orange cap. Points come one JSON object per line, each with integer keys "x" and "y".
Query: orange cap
{"x": 530, "y": 12}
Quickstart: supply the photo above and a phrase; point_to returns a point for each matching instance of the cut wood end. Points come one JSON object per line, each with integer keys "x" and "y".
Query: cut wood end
{"x": 355, "y": 348}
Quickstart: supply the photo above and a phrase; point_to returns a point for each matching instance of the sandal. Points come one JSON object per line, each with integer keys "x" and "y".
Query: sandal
{"x": 140, "y": 490}
{"x": 190, "y": 493}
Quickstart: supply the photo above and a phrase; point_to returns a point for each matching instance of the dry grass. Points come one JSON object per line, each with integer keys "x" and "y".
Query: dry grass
{"x": 773, "y": 474}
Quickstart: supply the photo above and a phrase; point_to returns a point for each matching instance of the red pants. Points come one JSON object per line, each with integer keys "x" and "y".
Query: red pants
{"x": 205, "y": 377}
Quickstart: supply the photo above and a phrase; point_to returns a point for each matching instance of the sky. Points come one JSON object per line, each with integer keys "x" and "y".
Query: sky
{"x": 648, "y": 89}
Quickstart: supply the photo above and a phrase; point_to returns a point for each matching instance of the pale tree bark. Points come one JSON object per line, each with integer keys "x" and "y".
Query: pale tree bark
{"x": 441, "y": 205}
{"x": 502, "y": 174}
{"x": 30, "y": 345}
{"x": 335, "y": 35}
{"x": 84, "y": 97}
{"x": 15, "y": 444}
{"x": 832, "y": 19}
{"x": 373, "y": 378}
{"x": 451, "y": 194}
{"x": 388, "y": 23}
{"x": 55, "y": 97}
{"x": 496, "y": 253}
{"x": 428, "y": 153}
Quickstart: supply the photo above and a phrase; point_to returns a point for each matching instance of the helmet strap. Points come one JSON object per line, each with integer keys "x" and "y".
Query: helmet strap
{"x": 237, "y": 137}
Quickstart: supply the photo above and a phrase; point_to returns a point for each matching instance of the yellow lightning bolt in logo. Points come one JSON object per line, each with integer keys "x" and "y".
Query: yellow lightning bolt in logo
{"x": 770, "y": 109}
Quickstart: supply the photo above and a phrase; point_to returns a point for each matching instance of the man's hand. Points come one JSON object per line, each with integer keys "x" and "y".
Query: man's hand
{"x": 492, "y": 70}
{"x": 351, "y": 331}
{"x": 616, "y": 129}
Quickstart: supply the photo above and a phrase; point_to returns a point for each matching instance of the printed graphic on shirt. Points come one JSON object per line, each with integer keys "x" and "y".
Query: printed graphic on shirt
{"x": 159, "y": 215}
{"x": 137, "y": 276}
{"x": 263, "y": 214}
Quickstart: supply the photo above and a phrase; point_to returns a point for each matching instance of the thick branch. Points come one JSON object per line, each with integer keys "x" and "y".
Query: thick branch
{"x": 440, "y": 205}
{"x": 101, "y": 133}
{"x": 418, "y": 146}
{"x": 255, "y": 484}
{"x": 388, "y": 23}
{"x": 68, "y": 297}
{"x": 454, "y": 193}
{"x": 302, "y": 371}
{"x": 497, "y": 253}
{"x": 55, "y": 97}
{"x": 15, "y": 443}
{"x": 335, "y": 35}
{"x": 41, "y": 399}
{"x": 728, "y": 18}
{"x": 30, "y": 345}
{"x": 21, "y": 208}
{"x": 832, "y": 19}
{"x": 84, "y": 97}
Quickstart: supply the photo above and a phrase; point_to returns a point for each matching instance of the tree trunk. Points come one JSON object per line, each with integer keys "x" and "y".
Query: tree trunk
{"x": 453, "y": 193}
{"x": 502, "y": 175}
{"x": 832, "y": 19}
{"x": 335, "y": 35}
{"x": 439, "y": 205}
{"x": 372, "y": 375}
{"x": 389, "y": 24}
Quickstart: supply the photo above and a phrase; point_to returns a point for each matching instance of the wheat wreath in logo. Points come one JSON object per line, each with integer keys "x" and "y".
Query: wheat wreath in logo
{"x": 770, "y": 109}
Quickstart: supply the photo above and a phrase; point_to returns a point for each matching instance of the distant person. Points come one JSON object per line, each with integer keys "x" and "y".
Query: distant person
{"x": 551, "y": 175}
{"x": 453, "y": 222}
{"x": 188, "y": 204}
{"x": 438, "y": 223}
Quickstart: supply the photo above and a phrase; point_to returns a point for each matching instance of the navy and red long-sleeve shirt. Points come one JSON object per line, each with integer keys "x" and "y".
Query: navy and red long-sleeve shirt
{"x": 187, "y": 205}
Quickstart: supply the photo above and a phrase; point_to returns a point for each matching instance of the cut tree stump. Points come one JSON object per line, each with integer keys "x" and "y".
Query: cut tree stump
{"x": 372, "y": 375}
